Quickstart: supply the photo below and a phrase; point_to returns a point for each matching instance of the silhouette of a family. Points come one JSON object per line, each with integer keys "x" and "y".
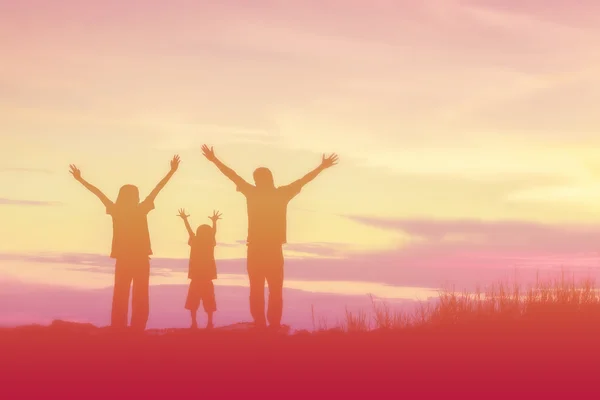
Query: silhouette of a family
{"x": 267, "y": 233}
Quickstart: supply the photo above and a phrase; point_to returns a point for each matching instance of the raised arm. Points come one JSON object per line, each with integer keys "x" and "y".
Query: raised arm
{"x": 326, "y": 162}
{"x": 214, "y": 218}
{"x": 209, "y": 153}
{"x": 174, "y": 165}
{"x": 184, "y": 217}
{"x": 77, "y": 175}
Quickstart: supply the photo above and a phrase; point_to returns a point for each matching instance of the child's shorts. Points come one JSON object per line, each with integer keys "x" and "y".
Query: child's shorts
{"x": 201, "y": 290}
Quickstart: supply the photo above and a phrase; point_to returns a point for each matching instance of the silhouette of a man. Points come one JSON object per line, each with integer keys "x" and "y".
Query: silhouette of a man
{"x": 267, "y": 214}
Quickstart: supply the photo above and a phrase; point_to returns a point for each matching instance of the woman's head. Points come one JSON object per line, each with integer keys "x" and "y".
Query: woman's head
{"x": 205, "y": 234}
{"x": 263, "y": 178}
{"x": 129, "y": 196}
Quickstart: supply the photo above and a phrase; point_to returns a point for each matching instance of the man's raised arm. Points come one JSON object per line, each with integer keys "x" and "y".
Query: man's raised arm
{"x": 209, "y": 153}
{"x": 326, "y": 162}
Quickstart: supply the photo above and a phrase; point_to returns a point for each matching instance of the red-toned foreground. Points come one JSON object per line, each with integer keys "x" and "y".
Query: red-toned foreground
{"x": 521, "y": 359}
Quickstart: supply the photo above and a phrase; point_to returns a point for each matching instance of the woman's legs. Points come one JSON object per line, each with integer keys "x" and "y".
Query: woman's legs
{"x": 120, "y": 301}
{"x": 140, "y": 307}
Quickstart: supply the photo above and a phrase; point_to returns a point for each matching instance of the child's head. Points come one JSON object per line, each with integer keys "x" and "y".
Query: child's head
{"x": 263, "y": 178}
{"x": 205, "y": 234}
{"x": 129, "y": 196}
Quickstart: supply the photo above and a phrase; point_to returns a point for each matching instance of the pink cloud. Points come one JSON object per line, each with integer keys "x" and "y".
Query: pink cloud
{"x": 470, "y": 253}
{"x": 32, "y": 203}
{"x": 550, "y": 112}
{"x": 26, "y": 170}
{"x": 582, "y": 13}
{"x": 465, "y": 253}
{"x": 22, "y": 303}
{"x": 296, "y": 32}
{"x": 228, "y": 61}
{"x": 520, "y": 236}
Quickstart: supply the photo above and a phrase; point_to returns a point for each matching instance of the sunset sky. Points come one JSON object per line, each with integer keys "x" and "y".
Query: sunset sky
{"x": 467, "y": 134}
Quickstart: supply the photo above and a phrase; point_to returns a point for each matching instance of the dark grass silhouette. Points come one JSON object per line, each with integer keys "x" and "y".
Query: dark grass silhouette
{"x": 505, "y": 342}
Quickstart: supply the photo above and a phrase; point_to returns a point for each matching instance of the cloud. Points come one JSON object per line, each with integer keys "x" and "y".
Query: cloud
{"x": 26, "y": 170}
{"x": 566, "y": 104}
{"x": 314, "y": 249}
{"x": 23, "y": 303}
{"x": 32, "y": 203}
{"x": 236, "y": 244}
{"x": 188, "y": 134}
{"x": 321, "y": 250}
{"x": 87, "y": 259}
{"x": 469, "y": 53}
{"x": 98, "y": 263}
{"x": 502, "y": 236}
{"x": 582, "y": 15}
{"x": 462, "y": 186}
{"x": 465, "y": 253}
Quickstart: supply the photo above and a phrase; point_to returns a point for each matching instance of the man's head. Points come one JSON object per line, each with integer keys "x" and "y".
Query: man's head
{"x": 263, "y": 178}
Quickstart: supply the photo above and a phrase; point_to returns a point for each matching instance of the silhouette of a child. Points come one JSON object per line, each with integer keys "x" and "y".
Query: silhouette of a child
{"x": 202, "y": 268}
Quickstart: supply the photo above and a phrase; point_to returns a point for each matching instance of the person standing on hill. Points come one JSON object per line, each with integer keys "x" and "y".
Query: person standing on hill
{"x": 202, "y": 267}
{"x": 267, "y": 226}
{"x": 130, "y": 248}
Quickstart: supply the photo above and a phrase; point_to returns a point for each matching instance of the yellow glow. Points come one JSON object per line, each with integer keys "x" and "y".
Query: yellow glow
{"x": 429, "y": 123}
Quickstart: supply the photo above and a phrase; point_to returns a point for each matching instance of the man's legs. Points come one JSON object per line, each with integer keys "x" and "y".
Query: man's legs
{"x": 274, "y": 276}
{"x": 120, "y": 301}
{"x": 140, "y": 307}
{"x": 257, "y": 286}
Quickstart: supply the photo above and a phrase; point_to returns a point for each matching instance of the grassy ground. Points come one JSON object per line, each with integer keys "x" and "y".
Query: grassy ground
{"x": 505, "y": 342}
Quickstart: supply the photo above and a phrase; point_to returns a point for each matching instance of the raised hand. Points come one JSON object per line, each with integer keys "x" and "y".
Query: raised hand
{"x": 216, "y": 216}
{"x": 175, "y": 163}
{"x": 209, "y": 153}
{"x": 330, "y": 161}
{"x": 75, "y": 172}
{"x": 182, "y": 214}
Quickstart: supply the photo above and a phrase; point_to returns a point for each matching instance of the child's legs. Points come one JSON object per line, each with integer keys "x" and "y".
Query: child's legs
{"x": 120, "y": 301}
{"x": 141, "y": 296}
{"x": 208, "y": 300}
{"x": 193, "y": 314}
{"x": 192, "y": 302}
{"x": 257, "y": 285}
{"x": 208, "y": 297}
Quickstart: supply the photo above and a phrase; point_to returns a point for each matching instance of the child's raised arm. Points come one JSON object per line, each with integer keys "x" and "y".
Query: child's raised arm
{"x": 174, "y": 165}
{"x": 77, "y": 175}
{"x": 214, "y": 218}
{"x": 184, "y": 217}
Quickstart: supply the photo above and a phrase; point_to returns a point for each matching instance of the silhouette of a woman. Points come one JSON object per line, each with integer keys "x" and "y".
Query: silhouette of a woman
{"x": 131, "y": 248}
